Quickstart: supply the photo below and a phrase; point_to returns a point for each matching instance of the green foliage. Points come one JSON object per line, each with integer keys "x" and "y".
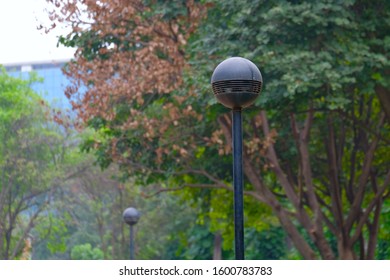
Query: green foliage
{"x": 383, "y": 247}
{"x": 86, "y": 252}
{"x": 268, "y": 244}
{"x": 328, "y": 57}
{"x": 306, "y": 50}
{"x": 37, "y": 158}
{"x": 27, "y": 148}
{"x": 54, "y": 231}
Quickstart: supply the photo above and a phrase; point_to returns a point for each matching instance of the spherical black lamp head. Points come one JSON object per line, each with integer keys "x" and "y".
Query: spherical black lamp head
{"x": 131, "y": 216}
{"x": 236, "y": 82}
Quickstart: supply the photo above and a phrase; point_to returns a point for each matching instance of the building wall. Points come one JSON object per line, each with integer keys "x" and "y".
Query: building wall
{"x": 54, "y": 81}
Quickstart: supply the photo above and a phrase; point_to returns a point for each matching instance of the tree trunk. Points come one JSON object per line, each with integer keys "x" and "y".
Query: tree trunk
{"x": 384, "y": 98}
{"x": 217, "y": 254}
{"x": 345, "y": 251}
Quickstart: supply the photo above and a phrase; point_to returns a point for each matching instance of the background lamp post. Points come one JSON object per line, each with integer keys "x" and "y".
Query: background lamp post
{"x": 236, "y": 84}
{"x": 131, "y": 217}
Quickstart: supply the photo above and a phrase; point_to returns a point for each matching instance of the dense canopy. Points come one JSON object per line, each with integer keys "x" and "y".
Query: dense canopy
{"x": 316, "y": 141}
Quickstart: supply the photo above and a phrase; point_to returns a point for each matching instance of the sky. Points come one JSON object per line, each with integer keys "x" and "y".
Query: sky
{"x": 21, "y": 41}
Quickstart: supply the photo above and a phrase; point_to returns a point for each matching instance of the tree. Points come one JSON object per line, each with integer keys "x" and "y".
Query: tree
{"x": 326, "y": 61}
{"x": 37, "y": 158}
{"x": 28, "y": 154}
{"x": 88, "y": 210}
{"x": 315, "y": 155}
{"x": 85, "y": 252}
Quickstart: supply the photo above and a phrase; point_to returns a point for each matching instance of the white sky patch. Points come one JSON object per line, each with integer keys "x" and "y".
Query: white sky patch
{"x": 20, "y": 39}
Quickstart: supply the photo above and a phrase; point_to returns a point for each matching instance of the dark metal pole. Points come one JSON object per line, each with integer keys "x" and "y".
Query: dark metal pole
{"x": 236, "y": 83}
{"x": 131, "y": 242}
{"x": 238, "y": 185}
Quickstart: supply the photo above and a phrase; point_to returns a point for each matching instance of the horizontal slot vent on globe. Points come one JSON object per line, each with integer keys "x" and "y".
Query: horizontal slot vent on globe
{"x": 237, "y": 86}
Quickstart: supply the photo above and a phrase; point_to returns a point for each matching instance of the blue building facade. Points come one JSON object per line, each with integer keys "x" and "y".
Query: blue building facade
{"x": 54, "y": 81}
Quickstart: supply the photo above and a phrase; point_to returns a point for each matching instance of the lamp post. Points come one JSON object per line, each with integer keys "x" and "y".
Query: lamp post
{"x": 236, "y": 83}
{"x": 131, "y": 217}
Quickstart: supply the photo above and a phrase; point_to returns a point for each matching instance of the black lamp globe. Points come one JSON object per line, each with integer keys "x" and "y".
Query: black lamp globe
{"x": 236, "y": 82}
{"x": 131, "y": 216}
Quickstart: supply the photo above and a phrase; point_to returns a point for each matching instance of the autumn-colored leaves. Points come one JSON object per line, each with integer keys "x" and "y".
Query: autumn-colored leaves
{"x": 129, "y": 55}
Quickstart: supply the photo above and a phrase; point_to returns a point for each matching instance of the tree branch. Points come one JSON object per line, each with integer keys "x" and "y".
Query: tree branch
{"x": 26, "y": 231}
{"x": 272, "y": 157}
{"x": 355, "y": 208}
{"x": 203, "y": 186}
{"x": 334, "y": 189}
{"x": 383, "y": 95}
{"x": 364, "y": 218}
{"x": 263, "y": 194}
{"x": 295, "y": 133}
{"x": 317, "y": 231}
